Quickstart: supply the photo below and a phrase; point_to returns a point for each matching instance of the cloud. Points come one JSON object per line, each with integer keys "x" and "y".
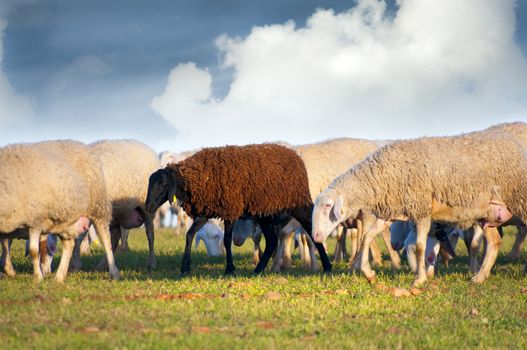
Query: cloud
{"x": 432, "y": 67}
{"x": 14, "y": 108}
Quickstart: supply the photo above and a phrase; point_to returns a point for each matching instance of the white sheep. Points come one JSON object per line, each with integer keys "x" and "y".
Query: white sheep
{"x": 212, "y": 236}
{"x": 448, "y": 179}
{"x": 52, "y": 187}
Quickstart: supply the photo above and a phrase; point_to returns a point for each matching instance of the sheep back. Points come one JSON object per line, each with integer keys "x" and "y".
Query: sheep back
{"x": 404, "y": 177}
{"x": 49, "y": 185}
{"x": 227, "y": 182}
{"x": 326, "y": 160}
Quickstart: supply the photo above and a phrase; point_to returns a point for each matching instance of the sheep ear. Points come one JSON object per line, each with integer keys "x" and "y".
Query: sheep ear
{"x": 171, "y": 191}
{"x": 337, "y": 208}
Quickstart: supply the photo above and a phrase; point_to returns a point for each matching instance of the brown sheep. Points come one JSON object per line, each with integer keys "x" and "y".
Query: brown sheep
{"x": 267, "y": 182}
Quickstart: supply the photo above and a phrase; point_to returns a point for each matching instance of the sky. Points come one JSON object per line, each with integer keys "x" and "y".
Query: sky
{"x": 180, "y": 75}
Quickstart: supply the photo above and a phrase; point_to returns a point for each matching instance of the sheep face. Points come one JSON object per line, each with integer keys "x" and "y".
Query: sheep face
{"x": 158, "y": 190}
{"x": 328, "y": 212}
{"x": 243, "y": 228}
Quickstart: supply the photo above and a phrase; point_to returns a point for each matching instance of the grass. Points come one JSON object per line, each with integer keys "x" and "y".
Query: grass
{"x": 293, "y": 310}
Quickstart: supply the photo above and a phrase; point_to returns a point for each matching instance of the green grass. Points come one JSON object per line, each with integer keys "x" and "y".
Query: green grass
{"x": 293, "y": 310}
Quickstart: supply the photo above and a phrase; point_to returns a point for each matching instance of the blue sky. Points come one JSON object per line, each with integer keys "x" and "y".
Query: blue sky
{"x": 185, "y": 74}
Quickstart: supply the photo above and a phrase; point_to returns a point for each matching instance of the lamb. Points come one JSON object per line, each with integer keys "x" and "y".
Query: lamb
{"x": 447, "y": 179}
{"x": 222, "y": 182}
{"x": 433, "y": 244}
{"x": 57, "y": 187}
{"x": 212, "y": 236}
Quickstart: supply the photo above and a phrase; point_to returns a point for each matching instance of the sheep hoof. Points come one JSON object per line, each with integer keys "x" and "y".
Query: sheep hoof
{"x": 151, "y": 265}
{"x": 185, "y": 273}
{"x": 229, "y": 272}
{"x": 102, "y": 266}
{"x": 512, "y": 257}
{"x": 10, "y": 273}
{"x": 478, "y": 279}
{"x": 370, "y": 276}
{"x": 37, "y": 278}
{"x": 418, "y": 283}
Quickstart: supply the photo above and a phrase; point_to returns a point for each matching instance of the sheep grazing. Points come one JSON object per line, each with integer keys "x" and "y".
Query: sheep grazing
{"x": 127, "y": 165}
{"x": 447, "y": 179}
{"x": 266, "y": 182}
{"x": 244, "y": 228}
{"x": 56, "y": 187}
{"x": 212, "y": 236}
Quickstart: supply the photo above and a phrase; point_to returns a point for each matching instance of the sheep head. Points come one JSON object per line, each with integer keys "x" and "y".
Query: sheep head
{"x": 329, "y": 211}
{"x": 164, "y": 185}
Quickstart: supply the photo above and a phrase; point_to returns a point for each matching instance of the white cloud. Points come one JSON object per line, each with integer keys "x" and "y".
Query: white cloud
{"x": 14, "y": 108}
{"x": 435, "y": 67}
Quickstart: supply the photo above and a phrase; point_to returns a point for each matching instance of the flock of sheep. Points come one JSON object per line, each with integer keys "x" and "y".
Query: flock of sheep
{"x": 421, "y": 195}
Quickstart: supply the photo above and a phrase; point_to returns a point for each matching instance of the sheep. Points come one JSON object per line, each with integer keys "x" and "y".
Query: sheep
{"x": 244, "y": 228}
{"x": 57, "y": 187}
{"x": 433, "y": 243}
{"x": 212, "y": 236}
{"x": 456, "y": 179}
{"x": 127, "y": 165}
{"x": 266, "y": 182}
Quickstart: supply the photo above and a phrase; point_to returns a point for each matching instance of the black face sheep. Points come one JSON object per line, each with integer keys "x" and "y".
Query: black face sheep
{"x": 56, "y": 187}
{"x": 446, "y": 179}
{"x": 267, "y": 182}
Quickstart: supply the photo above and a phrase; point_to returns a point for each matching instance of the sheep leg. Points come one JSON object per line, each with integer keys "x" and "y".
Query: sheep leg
{"x": 115, "y": 234}
{"x": 287, "y": 260}
{"x": 493, "y": 245}
{"x": 101, "y": 226}
{"x": 474, "y": 248}
{"x": 34, "y": 240}
{"x": 354, "y": 243}
{"x": 271, "y": 241}
{"x": 362, "y": 263}
{"x": 394, "y": 256}
{"x": 149, "y": 229}
{"x": 67, "y": 250}
{"x": 423, "y": 227}
{"x": 514, "y": 254}
{"x": 307, "y": 257}
{"x": 198, "y": 223}
{"x": 312, "y": 255}
{"x": 124, "y": 240}
{"x": 303, "y": 215}
{"x": 343, "y": 239}
{"x": 227, "y": 242}
{"x": 6, "y": 258}
{"x": 75, "y": 262}
{"x": 257, "y": 252}
{"x": 279, "y": 254}
{"x": 375, "y": 254}
{"x": 338, "y": 255}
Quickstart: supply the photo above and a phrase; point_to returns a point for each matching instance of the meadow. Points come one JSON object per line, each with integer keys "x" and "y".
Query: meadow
{"x": 296, "y": 309}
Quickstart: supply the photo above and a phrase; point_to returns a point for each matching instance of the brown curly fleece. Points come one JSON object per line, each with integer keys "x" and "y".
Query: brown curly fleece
{"x": 230, "y": 181}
